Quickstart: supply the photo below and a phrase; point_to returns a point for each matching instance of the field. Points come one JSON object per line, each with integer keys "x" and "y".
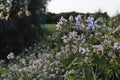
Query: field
{"x": 50, "y": 27}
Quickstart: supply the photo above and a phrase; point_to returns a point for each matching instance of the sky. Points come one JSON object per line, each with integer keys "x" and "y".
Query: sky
{"x": 112, "y": 7}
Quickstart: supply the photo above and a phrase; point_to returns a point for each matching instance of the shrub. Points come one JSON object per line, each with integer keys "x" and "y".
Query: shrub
{"x": 78, "y": 49}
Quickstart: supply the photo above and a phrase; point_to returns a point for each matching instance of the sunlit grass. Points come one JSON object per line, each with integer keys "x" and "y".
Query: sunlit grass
{"x": 51, "y": 28}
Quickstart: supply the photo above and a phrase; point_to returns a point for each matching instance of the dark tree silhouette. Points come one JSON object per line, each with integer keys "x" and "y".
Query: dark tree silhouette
{"x": 20, "y": 24}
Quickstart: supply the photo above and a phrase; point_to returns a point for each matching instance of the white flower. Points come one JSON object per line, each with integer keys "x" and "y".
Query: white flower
{"x": 23, "y": 61}
{"x": 116, "y": 45}
{"x": 58, "y": 54}
{"x": 65, "y": 40}
{"x": 86, "y": 59}
{"x": 26, "y": 50}
{"x": 98, "y": 48}
{"x": 11, "y": 56}
{"x": 14, "y": 67}
{"x": 71, "y": 71}
{"x": 67, "y": 48}
{"x": 37, "y": 61}
{"x": 77, "y": 19}
{"x": 73, "y": 34}
{"x": 59, "y": 25}
{"x": 64, "y": 37}
{"x": 79, "y": 16}
{"x": 110, "y": 54}
{"x": 63, "y": 19}
{"x": 82, "y": 49}
{"x": 71, "y": 18}
{"x": 2, "y": 61}
{"x": 51, "y": 75}
{"x": 82, "y": 25}
{"x": 74, "y": 48}
{"x": 39, "y": 55}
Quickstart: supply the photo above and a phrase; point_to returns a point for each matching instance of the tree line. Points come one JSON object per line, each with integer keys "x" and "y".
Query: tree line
{"x": 52, "y": 18}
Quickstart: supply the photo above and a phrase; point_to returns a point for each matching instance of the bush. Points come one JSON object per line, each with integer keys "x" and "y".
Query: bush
{"x": 74, "y": 51}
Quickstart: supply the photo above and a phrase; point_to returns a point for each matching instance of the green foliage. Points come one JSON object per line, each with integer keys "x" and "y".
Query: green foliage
{"x": 51, "y": 18}
{"x": 77, "y": 50}
{"x": 69, "y": 54}
{"x": 20, "y": 24}
{"x": 115, "y": 21}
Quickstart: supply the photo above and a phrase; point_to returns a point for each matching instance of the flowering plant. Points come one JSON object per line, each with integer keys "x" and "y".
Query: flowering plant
{"x": 80, "y": 49}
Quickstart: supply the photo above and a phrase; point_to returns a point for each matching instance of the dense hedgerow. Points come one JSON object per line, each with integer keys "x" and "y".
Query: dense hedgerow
{"x": 80, "y": 49}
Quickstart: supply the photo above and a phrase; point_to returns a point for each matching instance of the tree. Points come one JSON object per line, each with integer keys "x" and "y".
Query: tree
{"x": 20, "y": 24}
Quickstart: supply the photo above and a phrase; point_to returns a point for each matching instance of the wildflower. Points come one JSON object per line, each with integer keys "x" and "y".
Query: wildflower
{"x": 82, "y": 49}
{"x": 37, "y": 61}
{"x": 64, "y": 38}
{"x": 91, "y": 23}
{"x": 82, "y": 36}
{"x": 78, "y": 17}
{"x": 26, "y": 50}
{"x": 83, "y": 40}
{"x": 104, "y": 25}
{"x": 71, "y": 18}
{"x": 90, "y": 19}
{"x": 82, "y": 25}
{"x": 79, "y": 38}
{"x": 58, "y": 54}
{"x": 14, "y": 67}
{"x": 59, "y": 25}
{"x": 67, "y": 48}
{"x": 73, "y": 34}
{"x": 51, "y": 75}
{"x": 69, "y": 72}
{"x": 2, "y": 61}
{"x": 11, "y": 56}
{"x": 110, "y": 54}
{"x": 86, "y": 59}
{"x": 87, "y": 50}
{"x": 98, "y": 48}
{"x": 23, "y": 61}
{"x": 63, "y": 19}
{"x": 39, "y": 55}
{"x": 77, "y": 25}
{"x": 74, "y": 48}
{"x": 116, "y": 45}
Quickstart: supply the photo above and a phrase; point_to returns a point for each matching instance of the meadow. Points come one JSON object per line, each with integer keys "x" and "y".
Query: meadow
{"x": 51, "y": 28}
{"x": 77, "y": 48}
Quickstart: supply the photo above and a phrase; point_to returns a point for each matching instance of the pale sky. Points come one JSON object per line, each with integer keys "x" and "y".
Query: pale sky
{"x": 112, "y": 7}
